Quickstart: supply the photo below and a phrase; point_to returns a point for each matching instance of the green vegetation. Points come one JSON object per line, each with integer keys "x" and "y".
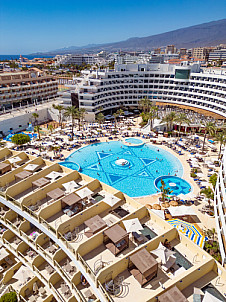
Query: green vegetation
{"x": 213, "y": 180}
{"x": 165, "y": 191}
{"x": 60, "y": 110}
{"x": 71, "y": 112}
{"x": 100, "y": 118}
{"x": 181, "y": 118}
{"x": 20, "y": 139}
{"x": 208, "y": 192}
{"x": 9, "y": 297}
{"x": 211, "y": 245}
{"x": 145, "y": 104}
{"x": 209, "y": 129}
{"x": 38, "y": 129}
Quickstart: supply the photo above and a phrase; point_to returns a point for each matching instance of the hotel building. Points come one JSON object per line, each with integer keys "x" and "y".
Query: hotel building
{"x": 220, "y": 208}
{"x": 23, "y": 88}
{"x": 186, "y": 86}
{"x": 51, "y": 251}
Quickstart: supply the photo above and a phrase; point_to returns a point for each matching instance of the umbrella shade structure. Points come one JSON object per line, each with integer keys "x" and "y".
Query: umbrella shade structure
{"x": 53, "y": 175}
{"x": 70, "y": 186}
{"x": 156, "y": 206}
{"x": 23, "y": 274}
{"x": 189, "y": 230}
{"x": 163, "y": 253}
{"x": 173, "y": 203}
{"x": 3, "y": 253}
{"x": 31, "y": 167}
{"x": 182, "y": 211}
{"x": 149, "y": 206}
{"x": 208, "y": 297}
{"x": 85, "y": 192}
{"x": 160, "y": 213}
{"x": 14, "y": 160}
{"x": 111, "y": 200}
{"x": 132, "y": 225}
{"x": 165, "y": 205}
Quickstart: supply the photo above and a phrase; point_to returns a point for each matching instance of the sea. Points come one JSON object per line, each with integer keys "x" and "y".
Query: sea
{"x": 14, "y": 57}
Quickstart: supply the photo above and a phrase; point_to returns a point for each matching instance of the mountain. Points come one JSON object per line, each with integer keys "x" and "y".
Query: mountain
{"x": 206, "y": 34}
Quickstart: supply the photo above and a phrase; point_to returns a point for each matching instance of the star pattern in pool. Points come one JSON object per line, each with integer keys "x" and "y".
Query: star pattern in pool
{"x": 146, "y": 163}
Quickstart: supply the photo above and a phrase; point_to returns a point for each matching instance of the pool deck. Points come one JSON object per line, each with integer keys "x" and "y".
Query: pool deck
{"x": 204, "y": 221}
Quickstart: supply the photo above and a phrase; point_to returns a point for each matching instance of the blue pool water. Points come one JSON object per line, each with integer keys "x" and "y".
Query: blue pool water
{"x": 134, "y": 141}
{"x": 71, "y": 165}
{"x": 146, "y": 163}
{"x": 176, "y": 184}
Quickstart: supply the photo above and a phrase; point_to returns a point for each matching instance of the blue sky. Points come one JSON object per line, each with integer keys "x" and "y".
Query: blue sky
{"x": 31, "y": 26}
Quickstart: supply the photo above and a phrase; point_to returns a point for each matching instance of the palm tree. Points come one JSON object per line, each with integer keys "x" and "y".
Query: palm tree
{"x": 50, "y": 128}
{"x": 153, "y": 114}
{"x": 169, "y": 119}
{"x": 81, "y": 115}
{"x": 145, "y": 104}
{"x": 60, "y": 109}
{"x": 71, "y": 112}
{"x": 37, "y": 129}
{"x": 115, "y": 118}
{"x": 120, "y": 112}
{"x": 35, "y": 116}
{"x": 182, "y": 119}
{"x": 209, "y": 129}
{"x": 221, "y": 138}
{"x": 165, "y": 191}
{"x": 100, "y": 118}
{"x": 208, "y": 192}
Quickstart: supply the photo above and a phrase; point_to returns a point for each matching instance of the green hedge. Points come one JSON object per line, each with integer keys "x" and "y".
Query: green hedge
{"x": 9, "y": 297}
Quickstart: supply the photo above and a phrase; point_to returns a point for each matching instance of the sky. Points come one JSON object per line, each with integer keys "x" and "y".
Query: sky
{"x": 39, "y": 26}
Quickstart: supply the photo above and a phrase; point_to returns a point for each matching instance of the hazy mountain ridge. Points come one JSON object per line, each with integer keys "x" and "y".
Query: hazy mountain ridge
{"x": 206, "y": 34}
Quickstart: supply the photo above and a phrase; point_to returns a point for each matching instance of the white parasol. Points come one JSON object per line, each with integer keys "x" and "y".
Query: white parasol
{"x": 85, "y": 192}
{"x": 111, "y": 200}
{"x": 132, "y": 225}
{"x": 70, "y": 186}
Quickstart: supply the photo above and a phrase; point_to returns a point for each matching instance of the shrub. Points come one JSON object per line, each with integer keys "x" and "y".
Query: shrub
{"x": 20, "y": 139}
{"x": 193, "y": 175}
{"x": 9, "y": 297}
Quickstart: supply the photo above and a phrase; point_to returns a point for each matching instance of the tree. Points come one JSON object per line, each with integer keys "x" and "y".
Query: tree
{"x": 213, "y": 180}
{"x": 50, "y": 128}
{"x": 37, "y": 129}
{"x": 81, "y": 115}
{"x": 20, "y": 139}
{"x": 209, "y": 129}
{"x": 145, "y": 104}
{"x": 115, "y": 118}
{"x": 9, "y": 297}
{"x": 169, "y": 119}
{"x": 221, "y": 138}
{"x": 152, "y": 115}
{"x": 35, "y": 116}
{"x": 182, "y": 118}
{"x": 165, "y": 191}
{"x": 208, "y": 192}
{"x": 71, "y": 112}
{"x": 120, "y": 112}
{"x": 60, "y": 109}
{"x": 100, "y": 118}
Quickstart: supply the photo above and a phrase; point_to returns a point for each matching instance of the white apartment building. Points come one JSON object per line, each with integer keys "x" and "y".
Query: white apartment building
{"x": 220, "y": 208}
{"x": 219, "y": 54}
{"x": 76, "y": 59}
{"x": 163, "y": 83}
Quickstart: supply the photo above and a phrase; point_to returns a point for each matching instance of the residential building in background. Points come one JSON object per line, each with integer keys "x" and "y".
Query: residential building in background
{"x": 25, "y": 87}
{"x": 218, "y": 55}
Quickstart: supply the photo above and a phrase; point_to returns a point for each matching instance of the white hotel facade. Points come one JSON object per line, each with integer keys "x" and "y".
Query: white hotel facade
{"x": 220, "y": 208}
{"x": 188, "y": 86}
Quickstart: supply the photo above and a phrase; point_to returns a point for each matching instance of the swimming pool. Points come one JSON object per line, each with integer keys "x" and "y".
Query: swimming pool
{"x": 134, "y": 141}
{"x": 143, "y": 164}
{"x": 176, "y": 184}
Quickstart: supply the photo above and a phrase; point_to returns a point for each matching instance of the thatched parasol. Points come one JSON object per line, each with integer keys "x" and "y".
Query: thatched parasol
{"x": 173, "y": 203}
{"x": 165, "y": 205}
{"x": 149, "y": 206}
{"x": 156, "y": 207}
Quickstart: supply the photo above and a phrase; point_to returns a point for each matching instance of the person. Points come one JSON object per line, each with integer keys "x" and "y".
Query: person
{"x": 157, "y": 171}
